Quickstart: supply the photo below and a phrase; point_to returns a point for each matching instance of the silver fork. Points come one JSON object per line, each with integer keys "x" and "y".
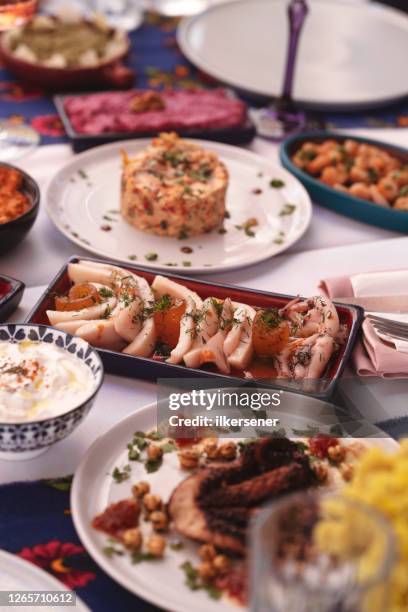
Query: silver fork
{"x": 395, "y": 329}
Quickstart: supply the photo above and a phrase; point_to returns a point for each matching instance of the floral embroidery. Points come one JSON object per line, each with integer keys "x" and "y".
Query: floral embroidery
{"x": 66, "y": 561}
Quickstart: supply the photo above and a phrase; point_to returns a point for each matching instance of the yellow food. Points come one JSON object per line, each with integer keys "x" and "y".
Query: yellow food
{"x": 380, "y": 480}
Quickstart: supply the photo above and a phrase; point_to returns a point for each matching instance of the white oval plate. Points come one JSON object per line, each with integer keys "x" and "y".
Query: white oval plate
{"x": 93, "y": 489}
{"x": 82, "y": 196}
{"x": 16, "y": 574}
{"x": 341, "y": 62}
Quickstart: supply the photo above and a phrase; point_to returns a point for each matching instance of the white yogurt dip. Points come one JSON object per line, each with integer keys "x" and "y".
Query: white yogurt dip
{"x": 39, "y": 380}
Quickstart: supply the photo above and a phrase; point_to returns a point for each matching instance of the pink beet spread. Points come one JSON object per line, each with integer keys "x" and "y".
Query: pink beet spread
{"x": 111, "y": 112}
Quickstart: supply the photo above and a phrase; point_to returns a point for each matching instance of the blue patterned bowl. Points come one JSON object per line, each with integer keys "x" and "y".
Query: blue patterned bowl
{"x": 28, "y": 439}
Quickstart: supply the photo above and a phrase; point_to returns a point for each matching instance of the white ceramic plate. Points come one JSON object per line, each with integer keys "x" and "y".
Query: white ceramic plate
{"x": 343, "y": 60}
{"x": 93, "y": 489}
{"x": 16, "y": 574}
{"x": 83, "y": 194}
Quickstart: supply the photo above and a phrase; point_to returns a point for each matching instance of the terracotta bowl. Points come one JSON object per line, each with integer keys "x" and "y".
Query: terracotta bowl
{"x": 13, "y": 232}
{"x": 109, "y": 74}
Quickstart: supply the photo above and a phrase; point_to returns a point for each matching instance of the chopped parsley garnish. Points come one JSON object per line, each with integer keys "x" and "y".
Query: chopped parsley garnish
{"x": 306, "y": 155}
{"x": 110, "y": 551}
{"x": 151, "y": 256}
{"x": 176, "y": 545}
{"x": 132, "y": 257}
{"x": 218, "y": 306}
{"x": 154, "y": 435}
{"x": 152, "y": 465}
{"x": 175, "y": 157}
{"x": 247, "y": 225}
{"x": 121, "y": 475}
{"x": 270, "y": 317}
{"x": 169, "y": 447}
{"x": 182, "y": 235}
{"x": 162, "y": 350}
{"x": 222, "y": 230}
{"x": 82, "y": 173}
{"x": 186, "y": 264}
{"x": 372, "y": 175}
{"x": 163, "y": 303}
{"x": 202, "y": 174}
{"x": 276, "y": 183}
{"x": 138, "y": 557}
{"x": 107, "y": 312}
{"x": 194, "y": 582}
{"x": 403, "y": 192}
{"x": 105, "y": 292}
{"x": 227, "y": 215}
{"x": 187, "y": 190}
{"x": 287, "y": 209}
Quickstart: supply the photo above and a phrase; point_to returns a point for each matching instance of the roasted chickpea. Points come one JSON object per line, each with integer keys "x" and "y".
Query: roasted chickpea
{"x": 140, "y": 489}
{"x": 221, "y": 564}
{"x": 132, "y": 538}
{"x": 227, "y": 451}
{"x": 346, "y": 471}
{"x": 152, "y": 502}
{"x": 156, "y": 545}
{"x": 154, "y": 452}
{"x": 336, "y": 453}
{"x": 189, "y": 458}
{"x": 206, "y": 571}
{"x": 210, "y": 447}
{"x": 207, "y": 552}
{"x": 321, "y": 471}
{"x": 159, "y": 520}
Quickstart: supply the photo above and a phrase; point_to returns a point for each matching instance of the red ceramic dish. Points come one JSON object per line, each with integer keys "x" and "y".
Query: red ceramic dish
{"x": 151, "y": 369}
{"x": 112, "y": 73}
{"x": 11, "y": 292}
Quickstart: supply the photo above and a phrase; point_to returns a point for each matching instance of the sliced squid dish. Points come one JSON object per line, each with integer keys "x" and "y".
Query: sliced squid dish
{"x": 206, "y": 328}
{"x": 213, "y": 350}
{"x": 238, "y": 345}
{"x": 187, "y": 332}
{"x": 97, "y": 310}
{"x": 114, "y": 308}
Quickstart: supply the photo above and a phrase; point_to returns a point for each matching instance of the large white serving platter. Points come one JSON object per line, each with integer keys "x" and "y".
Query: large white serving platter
{"x": 16, "y": 574}
{"x": 84, "y": 192}
{"x": 160, "y": 582}
{"x": 351, "y": 54}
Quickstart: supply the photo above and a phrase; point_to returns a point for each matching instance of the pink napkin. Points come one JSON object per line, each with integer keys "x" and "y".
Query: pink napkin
{"x": 372, "y": 356}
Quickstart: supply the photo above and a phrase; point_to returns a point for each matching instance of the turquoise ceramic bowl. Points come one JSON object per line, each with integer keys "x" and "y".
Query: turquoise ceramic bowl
{"x": 362, "y": 210}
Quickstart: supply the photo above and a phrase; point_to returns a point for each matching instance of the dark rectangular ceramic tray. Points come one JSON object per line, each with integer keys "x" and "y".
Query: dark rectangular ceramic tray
{"x": 239, "y": 135}
{"x": 150, "y": 369}
{"x": 11, "y": 292}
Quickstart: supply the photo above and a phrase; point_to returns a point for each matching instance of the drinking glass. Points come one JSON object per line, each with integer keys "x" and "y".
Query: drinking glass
{"x": 313, "y": 552}
{"x": 16, "y": 140}
{"x": 123, "y": 14}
